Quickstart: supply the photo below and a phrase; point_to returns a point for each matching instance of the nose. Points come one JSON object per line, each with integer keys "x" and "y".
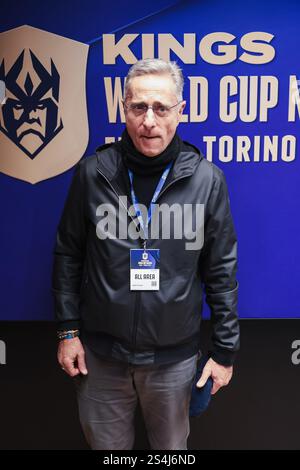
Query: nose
{"x": 149, "y": 119}
{"x": 33, "y": 114}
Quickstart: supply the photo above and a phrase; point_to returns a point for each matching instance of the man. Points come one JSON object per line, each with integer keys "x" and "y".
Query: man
{"x": 139, "y": 337}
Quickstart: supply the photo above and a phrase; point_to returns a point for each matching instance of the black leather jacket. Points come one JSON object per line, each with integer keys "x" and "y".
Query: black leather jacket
{"x": 91, "y": 276}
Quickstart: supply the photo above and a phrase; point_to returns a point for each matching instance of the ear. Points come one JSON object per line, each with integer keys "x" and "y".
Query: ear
{"x": 181, "y": 108}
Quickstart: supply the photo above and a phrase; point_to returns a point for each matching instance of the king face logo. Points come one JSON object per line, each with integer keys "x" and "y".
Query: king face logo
{"x": 43, "y": 119}
{"x": 30, "y": 119}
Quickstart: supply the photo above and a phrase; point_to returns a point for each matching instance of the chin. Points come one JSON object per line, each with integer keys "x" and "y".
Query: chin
{"x": 151, "y": 153}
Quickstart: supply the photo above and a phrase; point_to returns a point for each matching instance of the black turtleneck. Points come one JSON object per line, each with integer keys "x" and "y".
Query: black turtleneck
{"x": 147, "y": 170}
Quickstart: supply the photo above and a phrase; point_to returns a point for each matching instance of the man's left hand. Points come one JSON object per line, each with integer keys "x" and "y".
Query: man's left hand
{"x": 221, "y": 375}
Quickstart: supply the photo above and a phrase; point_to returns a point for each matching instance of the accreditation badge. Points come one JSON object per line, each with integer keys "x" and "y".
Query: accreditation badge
{"x": 144, "y": 269}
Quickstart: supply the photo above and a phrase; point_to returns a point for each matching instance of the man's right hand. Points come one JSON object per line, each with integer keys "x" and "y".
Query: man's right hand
{"x": 71, "y": 356}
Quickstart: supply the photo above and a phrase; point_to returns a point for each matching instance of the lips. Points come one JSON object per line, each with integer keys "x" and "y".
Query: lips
{"x": 151, "y": 137}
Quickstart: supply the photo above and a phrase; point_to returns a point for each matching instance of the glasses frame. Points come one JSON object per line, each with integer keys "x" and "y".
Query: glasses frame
{"x": 168, "y": 108}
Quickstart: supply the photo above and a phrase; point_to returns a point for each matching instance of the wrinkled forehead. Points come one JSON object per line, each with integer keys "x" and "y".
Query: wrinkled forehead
{"x": 151, "y": 88}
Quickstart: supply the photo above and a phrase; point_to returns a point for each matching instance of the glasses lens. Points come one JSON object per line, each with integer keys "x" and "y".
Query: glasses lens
{"x": 160, "y": 110}
{"x": 138, "y": 109}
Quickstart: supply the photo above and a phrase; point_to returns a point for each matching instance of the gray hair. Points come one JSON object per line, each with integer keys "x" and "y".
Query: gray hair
{"x": 156, "y": 67}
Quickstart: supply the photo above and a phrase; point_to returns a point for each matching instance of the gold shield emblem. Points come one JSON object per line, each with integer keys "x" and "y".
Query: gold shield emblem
{"x": 43, "y": 119}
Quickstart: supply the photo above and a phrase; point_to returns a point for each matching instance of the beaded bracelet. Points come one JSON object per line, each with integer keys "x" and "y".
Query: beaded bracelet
{"x": 67, "y": 334}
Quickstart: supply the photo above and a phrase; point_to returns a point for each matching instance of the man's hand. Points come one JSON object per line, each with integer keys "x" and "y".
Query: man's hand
{"x": 71, "y": 355}
{"x": 221, "y": 375}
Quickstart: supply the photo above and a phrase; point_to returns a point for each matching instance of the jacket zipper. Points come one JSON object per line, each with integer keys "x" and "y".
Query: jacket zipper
{"x": 135, "y": 319}
{"x": 138, "y": 293}
{"x": 138, "y": 296}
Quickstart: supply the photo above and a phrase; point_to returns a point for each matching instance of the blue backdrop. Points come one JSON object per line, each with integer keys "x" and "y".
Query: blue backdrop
{"x": 264, "y": 194}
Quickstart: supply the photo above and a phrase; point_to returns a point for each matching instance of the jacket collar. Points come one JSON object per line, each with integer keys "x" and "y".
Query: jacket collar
{"x": 109, "y": 161}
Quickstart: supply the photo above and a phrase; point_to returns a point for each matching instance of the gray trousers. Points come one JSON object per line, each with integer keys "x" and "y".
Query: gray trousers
{"x": 108, "y": 395}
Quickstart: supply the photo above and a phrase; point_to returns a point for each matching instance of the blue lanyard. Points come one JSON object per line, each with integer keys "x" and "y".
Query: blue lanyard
{"x": 153, "y": 200}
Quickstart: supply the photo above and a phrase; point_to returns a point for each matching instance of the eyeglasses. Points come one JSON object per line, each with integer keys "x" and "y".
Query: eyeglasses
{"x": 160, "y": 110}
